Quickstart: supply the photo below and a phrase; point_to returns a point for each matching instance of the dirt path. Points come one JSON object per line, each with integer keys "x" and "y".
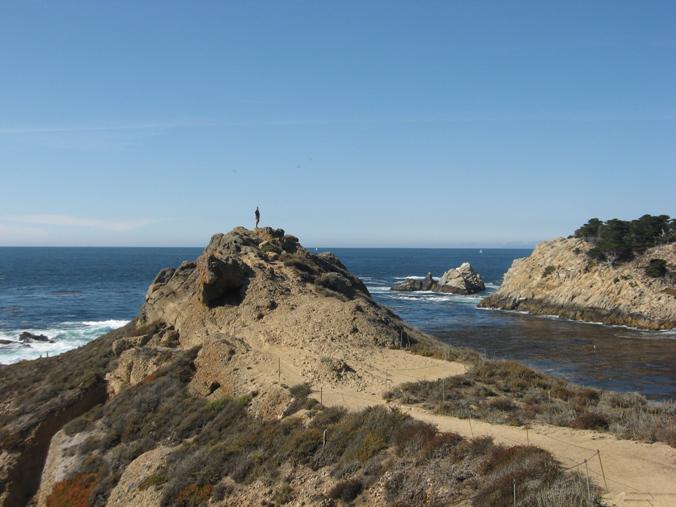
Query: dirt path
{"x": 637, "y": 474}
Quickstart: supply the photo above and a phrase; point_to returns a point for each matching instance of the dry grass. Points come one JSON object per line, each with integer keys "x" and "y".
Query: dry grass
{"x": 508, "y": 393}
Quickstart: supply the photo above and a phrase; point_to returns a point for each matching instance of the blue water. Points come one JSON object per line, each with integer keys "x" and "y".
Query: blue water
{"x": 75, "y": 294}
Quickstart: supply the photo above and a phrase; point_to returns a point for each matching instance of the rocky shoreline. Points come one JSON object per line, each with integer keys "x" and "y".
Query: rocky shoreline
{"x": 558, "y": 278}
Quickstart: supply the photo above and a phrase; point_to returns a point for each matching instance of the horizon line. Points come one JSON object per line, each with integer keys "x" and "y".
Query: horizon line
{"x": 514, "y": 247}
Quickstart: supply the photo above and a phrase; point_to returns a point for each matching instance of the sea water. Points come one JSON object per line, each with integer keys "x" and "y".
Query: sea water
{"x": 73, "y": 295}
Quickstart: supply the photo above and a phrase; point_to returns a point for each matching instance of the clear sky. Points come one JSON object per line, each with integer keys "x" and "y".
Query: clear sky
{"x": 350, "y": 123}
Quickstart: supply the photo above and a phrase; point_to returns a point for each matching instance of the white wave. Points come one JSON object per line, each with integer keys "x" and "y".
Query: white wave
{"x": 378, "y": 288}
{"x": 113, "y": 324}
{"x": 491, "y": 285}
{"x": 71, "y": 335}
{"x": 414, "y": 277}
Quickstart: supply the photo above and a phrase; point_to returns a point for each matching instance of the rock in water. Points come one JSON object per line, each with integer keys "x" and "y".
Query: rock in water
{"x": 460, "y": 280}
{"x": 559, "y": 278}
{"x": 27, "y": 337}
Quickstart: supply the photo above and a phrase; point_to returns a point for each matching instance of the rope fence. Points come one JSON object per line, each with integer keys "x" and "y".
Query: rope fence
{"x": 375, "y": 399}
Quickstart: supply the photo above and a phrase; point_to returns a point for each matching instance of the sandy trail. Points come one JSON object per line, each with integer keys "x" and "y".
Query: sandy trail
{"x": 636, "y": 473}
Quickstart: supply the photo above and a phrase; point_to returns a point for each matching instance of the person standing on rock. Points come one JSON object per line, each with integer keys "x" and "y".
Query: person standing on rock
{"x": 258, "y": 216}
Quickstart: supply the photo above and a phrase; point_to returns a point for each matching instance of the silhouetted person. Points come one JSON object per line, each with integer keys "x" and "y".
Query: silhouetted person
{"x": 258, "y": 216}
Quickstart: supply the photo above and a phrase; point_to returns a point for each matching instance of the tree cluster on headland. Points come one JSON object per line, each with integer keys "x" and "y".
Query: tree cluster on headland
{"x": 617, "y": 241}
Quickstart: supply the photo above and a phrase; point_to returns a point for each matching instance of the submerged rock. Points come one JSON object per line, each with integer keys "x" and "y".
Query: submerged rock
{"x": 460, "y": 280}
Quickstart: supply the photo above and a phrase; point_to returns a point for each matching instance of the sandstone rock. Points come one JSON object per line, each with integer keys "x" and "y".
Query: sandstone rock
{"x": 559, "y": 278}
{"x": 332, "y": 259}
{"x": 269, "y": 247}
{"x": 460, "y": 280}
{"x": 135, "y": 365}
{"x": 223, "y": 280}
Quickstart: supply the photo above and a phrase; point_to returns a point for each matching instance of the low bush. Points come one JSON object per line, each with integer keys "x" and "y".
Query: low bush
{"x": 346, "y": 490}
{"x": 73, "y": 492}
{"x": 656, "y": 268}
{"x": 590, "y": 421}
{"x": 507, "y": 392}
{"x": 548, "y": 271}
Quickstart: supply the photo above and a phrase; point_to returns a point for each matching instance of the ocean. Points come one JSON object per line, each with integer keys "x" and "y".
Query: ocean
{"x": 73, "y": 295}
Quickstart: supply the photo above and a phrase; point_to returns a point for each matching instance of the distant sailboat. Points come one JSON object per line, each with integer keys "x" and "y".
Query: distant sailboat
{"x": 481, "y": 251}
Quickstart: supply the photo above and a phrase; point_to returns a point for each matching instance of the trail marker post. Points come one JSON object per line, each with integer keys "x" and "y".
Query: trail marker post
{"x": 603, "y": 473}
{"x": 586, "y": 467}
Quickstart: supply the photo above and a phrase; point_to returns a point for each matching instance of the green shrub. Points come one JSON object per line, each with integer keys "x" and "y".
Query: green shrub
{"x": 346, "y": 490}
{"x": 548, "y": 271}
{"x": 618, "y": 241}
{"x": 657, "y": 268}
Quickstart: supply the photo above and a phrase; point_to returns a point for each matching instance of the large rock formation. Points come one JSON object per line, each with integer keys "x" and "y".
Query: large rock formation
{"x": 559, "y": 278}
{"x": 227, "y": 326}
{"x": 460, "y": 280}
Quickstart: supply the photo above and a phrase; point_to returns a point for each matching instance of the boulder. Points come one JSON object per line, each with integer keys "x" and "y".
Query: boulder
{"x": 461, "y": 280}
{"x": 415, "y": 284}
{"x": 27, "y": 337}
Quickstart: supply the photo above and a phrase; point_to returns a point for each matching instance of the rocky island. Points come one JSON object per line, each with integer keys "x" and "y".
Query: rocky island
{"x": 617, "y": 272}
{"x": 460, "y": 280}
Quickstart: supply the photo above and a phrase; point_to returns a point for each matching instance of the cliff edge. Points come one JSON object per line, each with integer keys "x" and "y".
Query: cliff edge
{"x": 559, "y": 278}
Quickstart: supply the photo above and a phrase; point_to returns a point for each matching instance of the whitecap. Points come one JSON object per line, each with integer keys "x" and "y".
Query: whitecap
{"x": 66, "y": 337}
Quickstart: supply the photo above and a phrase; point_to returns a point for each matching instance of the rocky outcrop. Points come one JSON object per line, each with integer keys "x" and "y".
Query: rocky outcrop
{"x": 460, "y": 280}
{"x": 229, "y": 317}
{"x": 559, "y": 278}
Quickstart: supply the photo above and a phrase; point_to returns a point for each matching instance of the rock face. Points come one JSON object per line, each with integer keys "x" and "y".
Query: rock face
{"x": 460, "y": 280}
{"x": 558, "y": 278}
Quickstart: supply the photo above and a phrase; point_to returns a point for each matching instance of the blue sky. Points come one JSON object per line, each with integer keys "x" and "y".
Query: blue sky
{"x": 366, "y": 123}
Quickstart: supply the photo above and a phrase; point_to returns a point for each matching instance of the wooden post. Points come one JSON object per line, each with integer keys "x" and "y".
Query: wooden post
{"x": 470, "y": 425}
{"x": 588, "y": 487}
{"x": 279, "y": 370}
{"x": 598, "y": 453}
{"x": 321, "y": 395}
{"x": 443, "y": 391}
{"x": 324, "y": 439}
{"x": 514, "y": 489}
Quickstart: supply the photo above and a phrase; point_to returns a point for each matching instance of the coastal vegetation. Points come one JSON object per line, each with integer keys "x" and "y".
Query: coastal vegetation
{"x": 218, "y": 449}
{"x": 506, "y": 392}
{"x": 617, "y": 241}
